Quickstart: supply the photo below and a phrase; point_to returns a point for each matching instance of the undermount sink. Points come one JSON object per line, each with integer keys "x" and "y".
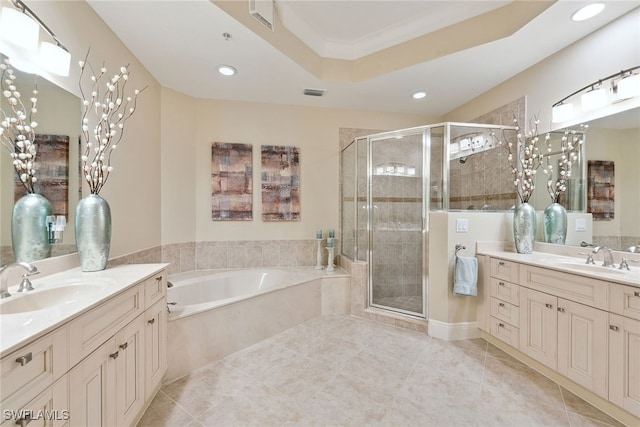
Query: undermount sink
{"x": 583, "y": 266}
{"x": 41, "y": 299}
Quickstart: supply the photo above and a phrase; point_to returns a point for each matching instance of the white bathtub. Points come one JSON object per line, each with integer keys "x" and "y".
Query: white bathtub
{"x": 218, "y": 312}
{"x": 204, "y": 290}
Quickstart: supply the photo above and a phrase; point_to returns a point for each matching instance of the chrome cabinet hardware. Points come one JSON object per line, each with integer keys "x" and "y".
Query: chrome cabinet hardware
{"x": 159, "y": 278}
{"x": 23, "y": 360}
{"x": 501, "y": 325}
{"x": 613, "y": 328}
{"x": 501, "y": 283}
{"x": 114, "y": 355}
{"x": 548, "y": 305}
{"x": 561, "y": 310}
{"x": 501, "y": 263}
{"x": 152, "y": 321}
{"x": 501, "y": 304}
{"x": 636, "y": 293}
{"x": 124, "y": 346}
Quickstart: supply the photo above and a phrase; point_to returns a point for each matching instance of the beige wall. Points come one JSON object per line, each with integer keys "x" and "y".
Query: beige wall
{"x": 604, "y": 52}
{"x": 313, "y": 130}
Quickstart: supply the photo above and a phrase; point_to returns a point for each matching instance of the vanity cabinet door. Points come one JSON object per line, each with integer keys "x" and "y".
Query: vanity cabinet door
{"x": 624, "y": 363}
{"x": 155, "y": 346}
{"x": 92, "y": 389}
{"x": 582, "y": 345}
{"x": 539, "y": 326}
{"x": 129, "y": 372}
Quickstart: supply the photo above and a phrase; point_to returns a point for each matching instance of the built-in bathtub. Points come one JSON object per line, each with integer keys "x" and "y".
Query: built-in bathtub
{"x": 213, "y": 313}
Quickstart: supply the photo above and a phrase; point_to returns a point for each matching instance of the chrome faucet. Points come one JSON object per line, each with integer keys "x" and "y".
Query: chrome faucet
{"x": 607, "y": 255}
{"x": 4, "y": 282}
{"x": 634, "y": 248}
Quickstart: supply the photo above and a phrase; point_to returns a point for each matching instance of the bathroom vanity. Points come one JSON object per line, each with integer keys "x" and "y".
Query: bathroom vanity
{"x": 577, "y": 324}
{"x": 92, "y": 354}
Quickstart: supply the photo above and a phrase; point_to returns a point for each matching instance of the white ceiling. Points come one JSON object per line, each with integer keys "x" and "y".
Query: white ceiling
{"x": 181, "y": 43}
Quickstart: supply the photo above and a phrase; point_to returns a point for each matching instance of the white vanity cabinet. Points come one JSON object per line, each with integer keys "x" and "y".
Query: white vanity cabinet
{"x": 102, "y": 367}
{"x": 624, "y": 348}
{"x": 585, "y": 329}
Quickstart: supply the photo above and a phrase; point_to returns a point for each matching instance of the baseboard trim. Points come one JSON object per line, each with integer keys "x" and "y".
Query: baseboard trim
{"x": 453, "y": 331}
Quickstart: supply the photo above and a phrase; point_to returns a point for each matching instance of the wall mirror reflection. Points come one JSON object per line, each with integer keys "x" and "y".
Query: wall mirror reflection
{"x": 57, "y": 134}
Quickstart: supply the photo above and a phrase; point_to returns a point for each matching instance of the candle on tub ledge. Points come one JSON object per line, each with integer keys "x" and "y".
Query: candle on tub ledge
{"x": 319, "y": 234}
{"x": 329, "y": 242}
{"x": 332, "y": 233}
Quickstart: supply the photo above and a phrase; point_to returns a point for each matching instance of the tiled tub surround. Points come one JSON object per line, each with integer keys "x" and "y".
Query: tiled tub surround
{"x": 201, "y": 335}
{"x": 346, "y": 371}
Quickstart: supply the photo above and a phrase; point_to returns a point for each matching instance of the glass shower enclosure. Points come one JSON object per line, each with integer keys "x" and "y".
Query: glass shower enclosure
{"x": 391, "y": 182}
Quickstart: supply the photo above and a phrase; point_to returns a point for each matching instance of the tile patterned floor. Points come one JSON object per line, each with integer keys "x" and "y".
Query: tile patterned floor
{"x": 347, "y": 371}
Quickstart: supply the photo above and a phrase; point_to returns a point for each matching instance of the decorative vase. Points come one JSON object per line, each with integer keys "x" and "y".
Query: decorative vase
{"x": 29, "y": 236}
{"x": 555, "y": 224}
{"x": 524, "y": 228}
{"x": 93, "y": 232}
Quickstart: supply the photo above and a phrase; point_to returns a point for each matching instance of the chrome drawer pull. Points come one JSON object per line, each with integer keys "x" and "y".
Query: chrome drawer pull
{"x": 124, "y": 346}
{"x": 613, "y": 328}
{"x": 501, "y": 283}
{"x": 23, "y": 360}
{"x": 548, "y": 305}
{"x": 561, "y": 310}
{"x": 114, "y": 355}
{"x": 159, "y": 278}
{"x": 501, "y": 304}
{"x": 636, "y": 294}
{"x": 501, "y": 325}
{"x": 501, "y": 263}
{"x": 152, "y": 321}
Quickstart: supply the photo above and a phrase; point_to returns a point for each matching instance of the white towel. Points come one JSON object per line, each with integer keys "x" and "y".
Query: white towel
{"x": 465, "y": 276}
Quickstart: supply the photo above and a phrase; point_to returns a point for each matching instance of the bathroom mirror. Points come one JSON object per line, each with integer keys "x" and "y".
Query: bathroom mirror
{"x": 617, "y": 138}
{"x": 58, "y": 113}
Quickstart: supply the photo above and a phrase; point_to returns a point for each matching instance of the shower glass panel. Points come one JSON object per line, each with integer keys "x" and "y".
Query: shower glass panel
{"x": 349, "y": 201}
{"x": 396, "y": 241}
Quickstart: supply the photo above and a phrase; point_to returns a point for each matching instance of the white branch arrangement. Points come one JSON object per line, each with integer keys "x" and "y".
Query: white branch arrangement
{"x": 17, "y": 128}
{"x": 524, "y": 158}
{"x": 569, "y": 147}
{"x": 110, "y": 108}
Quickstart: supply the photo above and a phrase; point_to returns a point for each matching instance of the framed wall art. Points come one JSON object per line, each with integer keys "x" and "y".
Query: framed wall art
{"x": 601, "y": 189}
{"x": 280, "y": 183}
{"x": 231, "y": 182}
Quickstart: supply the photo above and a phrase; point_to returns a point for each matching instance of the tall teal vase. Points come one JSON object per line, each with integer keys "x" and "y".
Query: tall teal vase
{"x": 524, "y": 228}
{"x": 555, "y": 224}
{"x": 29, "y": 236}
{"x": 93, "y": 232}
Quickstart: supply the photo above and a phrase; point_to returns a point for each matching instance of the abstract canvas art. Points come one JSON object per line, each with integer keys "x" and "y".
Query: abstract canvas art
{"x": 280, "y": 183}
{"x": 231, "y": 182}
{"x": 52, "y": 161}
{"x": 601, "y": 189}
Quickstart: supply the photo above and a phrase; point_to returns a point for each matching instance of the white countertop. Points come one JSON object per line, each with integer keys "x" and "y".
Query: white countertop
{"x": 20, "y": 328}
{"x": 571, "y": 265}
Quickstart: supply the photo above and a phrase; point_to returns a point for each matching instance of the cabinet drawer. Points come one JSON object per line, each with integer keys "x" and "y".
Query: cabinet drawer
{"x": 505, "y": 311}
{"x": 585, "y": 290}
{"x": 155, "y": 289}
{"x": 31, "y": 369}
{"x": 49, "y": 409}
{"x": 506, "y": 270}
{"x": 624, "y": 300}
{"x": 505, "y": 332}
{"x": 506, "y": 291}
{"x": 89, "y": 331}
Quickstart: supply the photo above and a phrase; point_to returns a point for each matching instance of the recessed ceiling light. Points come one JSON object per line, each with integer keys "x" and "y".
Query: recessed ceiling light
{"x": 226, "y": 70}
{"x": 419, "y": 95}
{"x": 588, "y": 11}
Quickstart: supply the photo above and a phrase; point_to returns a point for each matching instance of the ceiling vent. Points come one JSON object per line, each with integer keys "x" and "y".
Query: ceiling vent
{"x": 314, "y": 92}
{"x": 262, "y": 10}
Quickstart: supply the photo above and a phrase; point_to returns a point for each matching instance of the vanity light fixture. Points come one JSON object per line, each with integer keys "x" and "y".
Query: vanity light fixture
{"x": 587, "y": 12}
{"x": 227, "y": 70}
{"x": 419, "y": 94}
{"x": 609, "y": 90}
{"x": 21, "y": 27}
